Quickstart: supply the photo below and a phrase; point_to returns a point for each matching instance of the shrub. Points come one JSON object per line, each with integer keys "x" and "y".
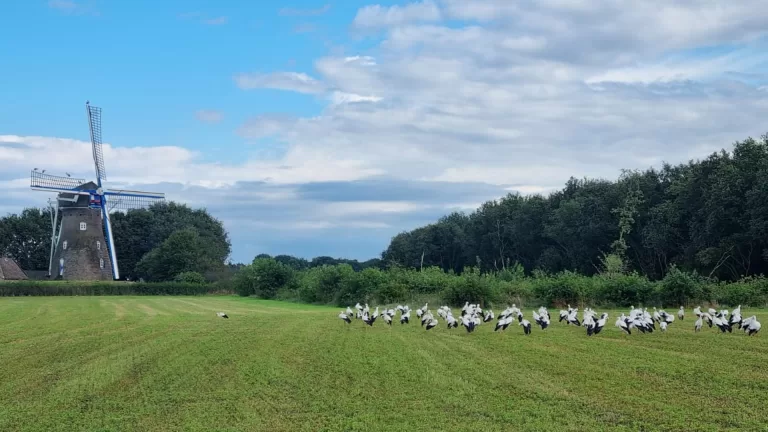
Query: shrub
{"x": 679, "y": 288}
{"x": 325, "y": 283}
{"x": 470, "y": 286}
{"x": 71, "y": 288}
{"x": 562, "y": 288}
{"x": 263, "y": 278}
{"x": 624, "y": 290}
{"x": 190, "y": 277}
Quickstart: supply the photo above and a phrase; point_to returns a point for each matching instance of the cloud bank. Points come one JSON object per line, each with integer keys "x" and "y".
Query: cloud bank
{"x": 458, "y": 102}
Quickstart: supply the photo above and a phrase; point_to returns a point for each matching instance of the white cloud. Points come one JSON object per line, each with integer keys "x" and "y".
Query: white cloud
{"x": 209, "y": 116}
{"x": 216, "y": 21}
{"x": 62, "y": 4}
{"x": 369, "y": 207}
{"x": 546, "y": 91}
{"x": 305, "y": 12}
{"x": 71, "y": 7}
{"x": 341, "y": 97}
{"x": 293, "y": 81}
{"x": 377, "y": 16}
{"x": 152, "y": 165}
{"x": 513, "y": 96}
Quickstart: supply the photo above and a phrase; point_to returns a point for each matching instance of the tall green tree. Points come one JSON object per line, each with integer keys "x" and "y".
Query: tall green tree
{"x": 138, "y": 232}
{"x": 183, "y": 251}
{"x": 708, "y": 216}
{"x": 26, "y": 238}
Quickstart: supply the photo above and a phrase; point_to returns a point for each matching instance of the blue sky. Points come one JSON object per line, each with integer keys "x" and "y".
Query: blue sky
{"x": 325, "y": 128}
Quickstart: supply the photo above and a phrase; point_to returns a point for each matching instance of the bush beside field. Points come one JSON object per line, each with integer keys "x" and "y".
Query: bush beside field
{"x": 67, "y": 288}
{"x": 341, "y": 285}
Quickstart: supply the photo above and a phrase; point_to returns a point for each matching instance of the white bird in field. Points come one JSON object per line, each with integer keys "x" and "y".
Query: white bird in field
{"x": 663, "y": 326}
{"x": 426, "y": 318}
{"x": 681, "y": 313}
{"x": 735, "y": 319}
{"x": 487, "y": 315}
{"x": 526, "y": 326}
{"x": 601, "y": 323}
{"x": 623, "y": 323}
{"x": 221, "y": 314}
{"x": 697, "y": 325}
{"x": 541, "y": 320}
{"x": 349, "y": 311}
{"x": 432, "y": 323}
{"x": 722, "y": 324}
{"x": 468, "y": 323}
{"x": 750, "y": 325}
{"x": 344, "y": 317}
{"x": 404, "y": 318}
{"x": 451, "y": 322}
{"x": 573, "y": 317}
{"x": 503, "y": 323}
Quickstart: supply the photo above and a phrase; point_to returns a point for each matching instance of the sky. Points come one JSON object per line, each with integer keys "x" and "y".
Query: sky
{"x": 327, "y": 127}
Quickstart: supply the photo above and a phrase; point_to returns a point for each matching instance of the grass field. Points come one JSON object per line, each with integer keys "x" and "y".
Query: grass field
{"x": 168, "y": 363}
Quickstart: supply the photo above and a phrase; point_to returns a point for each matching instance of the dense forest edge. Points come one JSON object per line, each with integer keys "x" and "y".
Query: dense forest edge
{"x": 693, "y": 232}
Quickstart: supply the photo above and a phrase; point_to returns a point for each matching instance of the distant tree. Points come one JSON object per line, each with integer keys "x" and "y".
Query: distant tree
{"x": 138, "y": 232}
{"x": 708, "y": 216}
{"x": 190, "y": 277}
{"x": 264, "y": 277}
{"x": 293, "y": 262}
{"x": 183, "y": 251}
{"x": 27, "y": 238}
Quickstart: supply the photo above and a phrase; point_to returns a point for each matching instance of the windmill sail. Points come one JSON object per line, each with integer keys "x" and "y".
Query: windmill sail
{"x": 53, "y": 183}
{"x": 94, "y": 124}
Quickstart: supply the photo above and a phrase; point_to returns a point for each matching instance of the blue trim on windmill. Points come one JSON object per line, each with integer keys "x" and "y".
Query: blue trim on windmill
{"x": 103, "y": 200}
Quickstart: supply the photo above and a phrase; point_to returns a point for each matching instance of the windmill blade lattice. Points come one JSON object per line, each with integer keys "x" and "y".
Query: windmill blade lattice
{"x": 94, "y": 123}
{"x": 131, "y": 200}
{"x": 53, "y": 182}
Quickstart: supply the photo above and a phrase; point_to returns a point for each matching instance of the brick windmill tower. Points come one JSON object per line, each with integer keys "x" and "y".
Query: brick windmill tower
{"x": 82, "y": 246}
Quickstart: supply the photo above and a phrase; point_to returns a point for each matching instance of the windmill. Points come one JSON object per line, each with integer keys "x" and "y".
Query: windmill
{"x": 81, "y": 232}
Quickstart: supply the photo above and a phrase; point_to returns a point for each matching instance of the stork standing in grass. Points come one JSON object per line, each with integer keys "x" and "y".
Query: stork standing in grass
{"x": 698, "y": 324}
{"x": 404, "y": 318}
{"x": 541, "y": 320}
{"x": 344, "y": 317}
{"x": 221, "y": 315}
{"x": 601, "y": 323}
{"x": 623, "y": 322}
{"x": 526, "y": 326}
{"x": 681, "y": 313}
{"x": 503, "y": 323}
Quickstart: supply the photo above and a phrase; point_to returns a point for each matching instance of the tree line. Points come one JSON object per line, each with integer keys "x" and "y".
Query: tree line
{"x": 708, "y": 216}
{"x": 165, "y": 242}
{"x": 155, "y": 244}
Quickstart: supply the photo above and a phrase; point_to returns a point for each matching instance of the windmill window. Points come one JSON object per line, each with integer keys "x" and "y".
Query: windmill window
{"x": 98, "y": 245}
{"x": 65, "y": 245}
{"x": 82, "y": 226}
{"x": 101, "y": 263}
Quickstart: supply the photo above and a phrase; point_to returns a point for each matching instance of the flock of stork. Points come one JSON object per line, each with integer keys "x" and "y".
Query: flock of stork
{"x": 472, "y": 316}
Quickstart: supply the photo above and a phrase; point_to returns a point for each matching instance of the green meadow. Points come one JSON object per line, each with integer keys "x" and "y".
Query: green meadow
{"x": 170, "y": 364}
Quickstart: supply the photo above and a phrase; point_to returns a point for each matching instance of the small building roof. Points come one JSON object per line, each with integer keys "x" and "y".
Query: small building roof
{"x": 9, "y": 270}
